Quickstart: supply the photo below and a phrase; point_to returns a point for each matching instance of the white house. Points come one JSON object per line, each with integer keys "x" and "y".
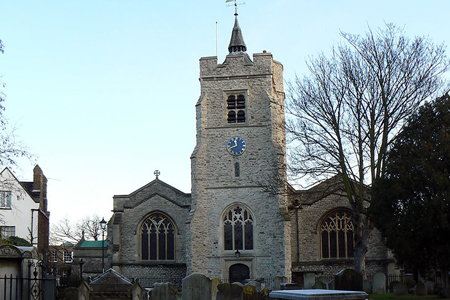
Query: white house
{"x": 23, "y": 209}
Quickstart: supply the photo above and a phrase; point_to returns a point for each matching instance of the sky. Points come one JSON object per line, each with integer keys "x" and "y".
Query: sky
{"x": 103, "y": 92}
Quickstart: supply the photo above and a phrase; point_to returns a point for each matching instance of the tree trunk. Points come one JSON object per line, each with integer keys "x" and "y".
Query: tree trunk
{"x": 361, "y": 235}
{"x": 445, "y": 282}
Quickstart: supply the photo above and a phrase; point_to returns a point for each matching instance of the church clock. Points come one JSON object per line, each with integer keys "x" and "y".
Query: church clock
{"x": 236, "y": 146}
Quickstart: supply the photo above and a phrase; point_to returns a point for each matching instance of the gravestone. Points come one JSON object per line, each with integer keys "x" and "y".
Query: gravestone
{"x": 392, "y": 284}
{"x": 278, "y": 281}
{"x": 308, "y": 280}
{"x": 215, "y": 282}
{"x": 430, "y": 287}
{"x": 227, "y": 291}
{"x": 164, "y": 291}
{"x": 379, "y": 283}
{"x": 256, "y": 284}
{"x": 400, "y": 288}
{"x": 367, "y": 286}
{"x": 420, "y": 289}
{"x": 319, "y": 285}
{"x": 348, "y": 280}
{"x": 197, "y": 287}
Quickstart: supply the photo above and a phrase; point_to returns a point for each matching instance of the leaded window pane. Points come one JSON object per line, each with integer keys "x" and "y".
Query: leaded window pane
{"x": 144, "y": 243}
{"x": 248, "y": 236}
{"x": 238, "y": 238}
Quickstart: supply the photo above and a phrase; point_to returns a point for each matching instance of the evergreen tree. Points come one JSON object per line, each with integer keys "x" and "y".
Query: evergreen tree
{"x": 411, "y": 203}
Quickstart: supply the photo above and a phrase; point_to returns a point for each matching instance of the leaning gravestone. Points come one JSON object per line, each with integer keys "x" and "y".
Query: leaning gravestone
{"x": 400, "y": 289}
{"x": 164, "y": 291}
{"x": 197, "y": 287}
{"x": 348, "y": 280}
{"x": 227, "y": 291}
{"x": 379, "y": 283}
{"x": 308, "y": 280}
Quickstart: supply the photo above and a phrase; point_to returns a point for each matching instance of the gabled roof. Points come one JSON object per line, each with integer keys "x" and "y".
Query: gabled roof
{"x": 152, "y": 189}
{"x": 91, "y": 244}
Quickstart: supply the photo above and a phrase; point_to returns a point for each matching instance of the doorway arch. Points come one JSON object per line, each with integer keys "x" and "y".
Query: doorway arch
{"x": 238, "y": 273}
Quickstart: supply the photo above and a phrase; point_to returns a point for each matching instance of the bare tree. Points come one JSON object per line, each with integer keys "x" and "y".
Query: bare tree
{"x": 343, "y": 117}
{"x": 73, "y": 231}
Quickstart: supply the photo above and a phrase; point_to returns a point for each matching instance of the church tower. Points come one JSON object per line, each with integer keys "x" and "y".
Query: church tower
{"x": 238, "y": 224}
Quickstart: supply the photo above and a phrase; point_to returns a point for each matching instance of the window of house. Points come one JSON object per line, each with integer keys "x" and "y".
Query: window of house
{"x": 238, "y": 229}
{"x": 337, "y": 235}
{"x": 54, "y": 256}
{"x": 5, "y": 199}
{"x": 158, "y": 238}
{"x": 236, "y": 109}
{"x": 7, "y": 231}
{"x": 67, "y": 256}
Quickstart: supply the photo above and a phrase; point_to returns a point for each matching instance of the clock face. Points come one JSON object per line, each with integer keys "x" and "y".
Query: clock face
{"x": 236, "y": 146}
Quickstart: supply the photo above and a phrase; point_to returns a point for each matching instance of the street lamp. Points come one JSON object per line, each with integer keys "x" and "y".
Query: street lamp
{"x": 81, "y": 263}
{"x": 103, "y": 227}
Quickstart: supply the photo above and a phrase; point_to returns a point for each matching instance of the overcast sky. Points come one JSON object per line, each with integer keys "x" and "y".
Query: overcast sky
{"x": 102, "y": 92}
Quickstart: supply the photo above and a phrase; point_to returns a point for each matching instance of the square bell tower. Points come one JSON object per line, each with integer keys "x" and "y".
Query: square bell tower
{"x": 238, "y": 224}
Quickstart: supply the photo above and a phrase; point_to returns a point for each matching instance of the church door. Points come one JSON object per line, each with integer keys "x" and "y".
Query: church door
{"x": 238, "y": 273}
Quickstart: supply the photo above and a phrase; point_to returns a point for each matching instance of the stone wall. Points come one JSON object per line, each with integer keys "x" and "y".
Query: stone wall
{"x": 263, "y": 167}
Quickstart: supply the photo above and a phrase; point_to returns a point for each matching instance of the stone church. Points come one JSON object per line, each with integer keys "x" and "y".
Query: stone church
{"x": 241, "y": 219}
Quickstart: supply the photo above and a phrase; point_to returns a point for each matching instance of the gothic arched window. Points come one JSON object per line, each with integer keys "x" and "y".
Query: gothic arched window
{"x": 158, "y": 238}
{"x": 337, "y": 235}
{"x": 238, "y": 229}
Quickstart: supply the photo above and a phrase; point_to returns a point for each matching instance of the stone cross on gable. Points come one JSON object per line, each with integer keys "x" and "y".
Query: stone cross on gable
{"x": 157, "y": 173}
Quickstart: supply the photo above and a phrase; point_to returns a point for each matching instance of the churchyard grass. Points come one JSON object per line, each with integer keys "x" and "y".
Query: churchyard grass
{"x": 389, "y": 296}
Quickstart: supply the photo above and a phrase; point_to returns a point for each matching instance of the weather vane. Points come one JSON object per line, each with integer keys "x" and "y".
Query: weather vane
{"x": 235, "y": 5}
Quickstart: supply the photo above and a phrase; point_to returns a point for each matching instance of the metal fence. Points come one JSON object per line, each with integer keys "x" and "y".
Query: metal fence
{"x": 35, "y": 286}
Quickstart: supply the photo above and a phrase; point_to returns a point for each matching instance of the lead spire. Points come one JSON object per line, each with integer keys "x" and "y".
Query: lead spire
{"x": 237, "y": 44}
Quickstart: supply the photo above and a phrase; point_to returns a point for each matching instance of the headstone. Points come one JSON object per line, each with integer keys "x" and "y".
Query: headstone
{"x": 348, "y": 280}
{"x": 215, "y": 282}
{"x": 164, "y": 291}
{"x": 392, "y": 284}
{"x": 319, "y": 285}
{"x": 278, "y": 281}
{"x": 197, "y": 287}
{"x": 379, "y": 283}
{"x": 308, "y": 280}
{"x": 400, "y": 288}
{"x": 367, "y": 286}
{"x": 70, "y": 293}
{"x": 326, "y": 282}
{"x": 256, "y": 284}
{"x": 228, "y": 291}
{"x": 430, "y": 287}
{"x": 420, "y": 289}
{"x": 291, "y": 286}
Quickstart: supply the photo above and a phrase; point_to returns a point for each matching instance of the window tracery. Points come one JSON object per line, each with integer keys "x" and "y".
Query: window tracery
{"x": 337, "y": 235}
{"x": 238, "y": 229}
{"x": 158, "y": 238}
